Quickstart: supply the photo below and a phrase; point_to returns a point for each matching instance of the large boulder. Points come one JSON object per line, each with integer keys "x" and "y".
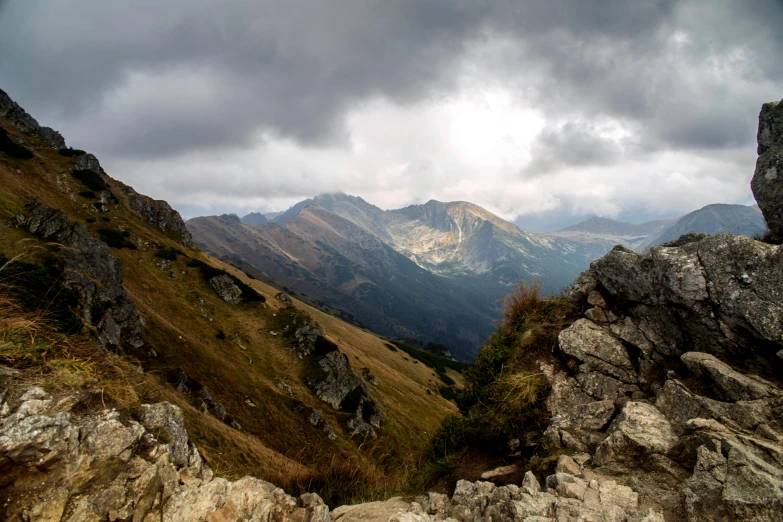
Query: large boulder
{"x": 767, "y": 183}
{"x": 224, "y": 287}
{"x": 638, "y": 431}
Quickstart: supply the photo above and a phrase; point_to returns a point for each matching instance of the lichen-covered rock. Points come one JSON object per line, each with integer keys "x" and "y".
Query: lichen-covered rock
{"x": 767, "y": 183}
{"x": 224, "y": 287}
{"x": 91, "y": 272}
{"x": 165, "y": 421}
{"x": 95, "y": 467}
{"x": 638, "y": 431}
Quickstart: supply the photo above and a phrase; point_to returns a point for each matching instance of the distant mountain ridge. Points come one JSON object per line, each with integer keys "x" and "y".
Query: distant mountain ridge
{"x": 434, "y": 272}
{"x": 717, "y": 218}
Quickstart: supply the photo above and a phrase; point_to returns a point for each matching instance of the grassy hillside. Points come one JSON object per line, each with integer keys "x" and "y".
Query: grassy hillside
{"x": 230, "y": 350}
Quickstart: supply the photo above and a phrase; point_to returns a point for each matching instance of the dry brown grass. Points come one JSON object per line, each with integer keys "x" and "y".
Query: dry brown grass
{"x": 276, "y": 443}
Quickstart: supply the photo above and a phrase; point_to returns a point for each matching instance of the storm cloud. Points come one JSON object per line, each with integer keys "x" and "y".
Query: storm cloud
{"x": 524, "y": 107}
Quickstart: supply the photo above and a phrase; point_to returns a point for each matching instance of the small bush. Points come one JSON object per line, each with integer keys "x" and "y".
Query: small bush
{"x": 71, "y": 152}
{"x": 89, "y": 194}
{"x": 91, "y": 180}
{"x": 91, "y": 220}
{"x": 503, "y": 393}
{"x": 13, "y": 149}
{"x": 390, "y": 347}
{"x": 221, "y": 335}
{"x": 107, "y": 220}
{"x": 115, "y": 238}
{"x": 98, "y": 206}
{"x": 169, "y": 253}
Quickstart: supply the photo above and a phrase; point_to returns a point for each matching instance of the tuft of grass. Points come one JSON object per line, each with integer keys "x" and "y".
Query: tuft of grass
{"x": 503, "y": 394}
{"x": 38, "y": 288}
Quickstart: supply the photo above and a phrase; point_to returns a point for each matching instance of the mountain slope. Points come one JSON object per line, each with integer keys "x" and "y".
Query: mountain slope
{"x": 231, "y": 368}
{"x": 335, "y": 261}
{"x": 715, "y": 219}
{"x": 434, "y": 271}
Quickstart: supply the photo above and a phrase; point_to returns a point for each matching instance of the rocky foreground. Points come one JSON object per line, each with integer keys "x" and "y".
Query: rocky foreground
{"x": 668, "y": 406}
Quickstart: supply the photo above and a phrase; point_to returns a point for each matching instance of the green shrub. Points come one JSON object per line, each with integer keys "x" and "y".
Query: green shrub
{"x": 91, "y": 180}
{"x": 13, "y": 149}
{"x": 169, "y": 253}
{"x": 504, "y": 391}
{"x": 115, "y": 238}
{"x": 71, "y": 152}
{"x": 89, "y": 194}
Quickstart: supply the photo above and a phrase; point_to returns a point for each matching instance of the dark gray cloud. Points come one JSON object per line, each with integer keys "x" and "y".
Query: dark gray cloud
{"x": 188, "y": 85}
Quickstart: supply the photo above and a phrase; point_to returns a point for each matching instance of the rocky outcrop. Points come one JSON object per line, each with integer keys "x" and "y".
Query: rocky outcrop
{"x": 767, "y": 183}
{"x": 567, "y": 498}
{"x": 224, "y": 287}
{"x": 160, "y": 214}
{"x": 343, "y": 389}
{"x": 678, "y": 349}
{"x": 19, "y": 118}
{"x": 57, "y": 465}
{"x": 91, "y": 271}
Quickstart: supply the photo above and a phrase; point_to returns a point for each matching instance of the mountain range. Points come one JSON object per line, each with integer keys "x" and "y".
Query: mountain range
{"x": 712, "y": 219}
{"x": 434, "y": 271}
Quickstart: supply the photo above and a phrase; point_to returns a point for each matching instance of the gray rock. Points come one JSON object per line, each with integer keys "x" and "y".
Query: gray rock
{"x": 598, "y": 349}
{"x": 92, "y": 272}
{"x": 530, "y": 484}
{"x": 728, "y": 384}
{"x": 566, "y": 464}
{"x": 165, "y": 417}
{"x": 160, "y": 214}
{"x": 638, "y": 431}
{"x": 767, "y": 183}
{"x": 224, "y": 287}
{"x": 99, "y": 468}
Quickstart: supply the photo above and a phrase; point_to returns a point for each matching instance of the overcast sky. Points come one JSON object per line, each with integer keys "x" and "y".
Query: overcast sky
{"x": 627, "y": 109}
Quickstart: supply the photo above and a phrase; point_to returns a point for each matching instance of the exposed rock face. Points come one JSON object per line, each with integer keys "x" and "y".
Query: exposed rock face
{"x": 97, "y": 467}
{"x": 343, "y": 389}
{"x": 703, "y": 310}
{"x": 767, "y": 183}
{"x": 159, "y": 213}
{"x": 10, "y": 110}
{"x": 226, "y": 289}
{"x": 92, "y": 272}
